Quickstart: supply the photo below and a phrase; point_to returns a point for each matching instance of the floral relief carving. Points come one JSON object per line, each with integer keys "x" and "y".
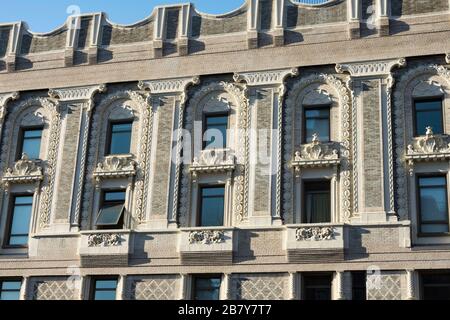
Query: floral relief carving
{"x": 315, "y": 234}
{"x": 316, "y": 150}
{"x": 214, "y": 160}
{"x": 115, "y": 167}
{"x": 428, "y": 144}
{"x": 206, "y": 237}
{"x": 24, "y": 170}
{"x": 104, "y": 240}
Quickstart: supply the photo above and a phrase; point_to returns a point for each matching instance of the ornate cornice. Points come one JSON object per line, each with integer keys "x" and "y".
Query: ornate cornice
{"x": 370, "y": 68}
{"x": 271, "y": 77}
{"x": 115, "y": 167}
{"x": 76, "y": 93}
{"x": 214, "y": 160}
{"x": 178, "y": 85}
{"x": 23, "y": 171}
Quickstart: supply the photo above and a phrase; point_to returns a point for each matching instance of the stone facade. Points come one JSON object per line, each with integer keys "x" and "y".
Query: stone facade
{"x": 261, "y": 63}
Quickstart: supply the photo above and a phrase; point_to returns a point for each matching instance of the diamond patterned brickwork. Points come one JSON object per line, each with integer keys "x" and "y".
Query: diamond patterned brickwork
{"x": 53, "y": 289}
{"x": 384, "y": 287}
{"x": 260, "y": 287}
{"x": 153, "y": 288}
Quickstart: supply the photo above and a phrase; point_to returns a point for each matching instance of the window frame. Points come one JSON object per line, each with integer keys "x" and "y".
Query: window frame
{"x": 14, "y": 279}
{"x": 217, "y": 114}
{"x": 204, "y": 276}
{"x": 423, "y": 273}
{"x": 200, "y": 201}
{"x": 318, "y": 106}
{"x": 304, "y": 204}
{"x": 9, "y": 220}
{"x": 109, "y": 133}
{"x": 21, "y": 139}
{"x": 102, "y": 204}
{"x": 418, "y": 205}
{"x": 93, "y": 285}
{"x": 427, "y": 99}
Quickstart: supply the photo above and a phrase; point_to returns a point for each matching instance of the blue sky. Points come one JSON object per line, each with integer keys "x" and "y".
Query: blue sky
{"x": 46, "y": 15}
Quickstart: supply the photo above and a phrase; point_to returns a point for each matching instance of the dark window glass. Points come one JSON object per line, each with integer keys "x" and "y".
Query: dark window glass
{"x": 317, "y": 287}
{"x": 31, "y": 143}
{"x": 112, "y": 210}
{"x": 10, "y": 289}
{"x": 436, "y": 286}
{"x": 20, "y": 220}
{"x": 317, "y": 202}
{"x": 359, "y": 286}
{"x": 433, "y": 205}
{"x": 212, "y": 206}
{"x": 120, "y": 139}
{"x": 104, "y": 289}
{"x": 215, "y": 131}
{"x": 207, "y": 288}
{"x": 428, "y": 114}
{"x": 317, "y": 121}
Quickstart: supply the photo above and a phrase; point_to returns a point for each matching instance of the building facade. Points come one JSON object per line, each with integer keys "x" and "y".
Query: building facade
{"x": 284, "y": 150}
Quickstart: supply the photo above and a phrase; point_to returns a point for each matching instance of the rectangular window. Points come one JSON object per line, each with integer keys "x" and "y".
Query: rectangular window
{"x": 359, "y": 280}
{"x": 112, "y": 209}
{"x": 206, "y": 288}
{"x": 317, "y": 202}
{"x": 120, "y": 137}
{"x": 316, "y": 121}
{"x": 10, "y": 289}
{"x": 19, "y": 220}
{"x": 317, "y": 286}
{"x": 215, "y": 131}
{"x": 104, "y": 289}
{"x": 30, "y": 143}
{"x": 428, "y": 113}
{"x": 433, "y": 205}
{"x": 212, "y": 205}
{"x": 436, "y": 286}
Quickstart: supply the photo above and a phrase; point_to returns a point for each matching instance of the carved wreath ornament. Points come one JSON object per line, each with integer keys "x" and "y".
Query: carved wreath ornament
{"x": 104, "y": 240}
{"x": 315, "y": 234}
{"x": 206, "y": 237}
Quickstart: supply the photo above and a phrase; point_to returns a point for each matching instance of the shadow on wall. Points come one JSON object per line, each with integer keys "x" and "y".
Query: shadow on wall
{"x": 356, "y": 250}
{"x": 140, "y": 255}
{"x": 244, "y": 251}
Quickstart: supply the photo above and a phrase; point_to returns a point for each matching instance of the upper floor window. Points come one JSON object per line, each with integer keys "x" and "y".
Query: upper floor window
{"x": 10, "y": 289}
{"x": 212, "y": 205}
{"x": 215, "y": 131}
{"x": 19, "y": 220}
{"x": 316, "y": 287}
{"x": 433, "y": 205}
{"x": 119, "y": 140}
{"x": 30, "y": 142}
{"x": 112, "y": 209}
{"x": 428, "y": 113}
{"x": 317, "y": 202}
{"x": 206, "y": 288}
{"x": 104, "y": 289}
{"x": 316, "y": 120}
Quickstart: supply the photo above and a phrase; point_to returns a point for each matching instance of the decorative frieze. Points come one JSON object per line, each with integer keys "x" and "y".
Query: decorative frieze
{"x": 206, "y": 237}
{"x": 76, "y": 93}
{"x": 23, "y": 171}
{"x": 104, "y": 240}
{"x": 271, "y": 77}
{"x": 315, "y": 234}
{"x": 370, "y": 68}
{"x": 172, "y": 86}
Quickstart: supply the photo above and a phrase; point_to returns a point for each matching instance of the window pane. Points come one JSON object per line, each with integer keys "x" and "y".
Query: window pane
{"x": 10, "y": 290}
{"x": 110, "y": 216}
{"x": 11, "y": 285}
{"x": 121, "y": 138}
{"x": 434, "y": 228}
{"x": 432, "y": 181}
{"x": 105, "y": 295}
{"x": 207, "y": 288}
{"x": 317, "y": 120}
{"x": 10, "y": 296}
{"x": 429, "y": 114}
{"x": 215, "y": 135}
{"x": 433, "y": 204}
{"x": 319, "y": 112}
{"x": 359, "y": 286}
{"x": 436, "y": 286}
{"x": 317, "y": 202}
{"x": 20, "y": 223}
{"x": 31, "y": 143}
{"x": 115, "y": 196}
{"x": 317, "y": 287}
{"x": 106, "y": 284}
{"x": 212, "y": 209}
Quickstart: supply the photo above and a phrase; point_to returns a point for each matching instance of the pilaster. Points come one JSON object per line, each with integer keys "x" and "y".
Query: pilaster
{"x": 95, "y": 38}
{"x": 412, "y": 281}
{"x": 279, "y": 21}
{"x": 14, "y": 45}
{"x": 373, "y": 167}
{"x": 253, "y": 23}
{"x": 73, "y": 26}
{"x": 267, "y": 90}
{"x": 159, "y": 32}
{"x": 184, "y": 27}
{"x": 168, "y": 98}
{"x": 24, "y": 288}
{"x": 354, "y": 18}
{"x": 121, "y": 287}
{"x": 382, "y": 11}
